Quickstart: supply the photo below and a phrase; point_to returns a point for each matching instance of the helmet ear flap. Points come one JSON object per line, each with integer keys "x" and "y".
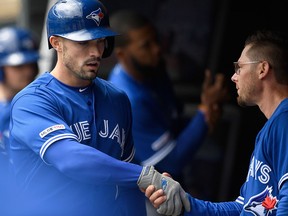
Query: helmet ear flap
{"x": 109, "y": 46}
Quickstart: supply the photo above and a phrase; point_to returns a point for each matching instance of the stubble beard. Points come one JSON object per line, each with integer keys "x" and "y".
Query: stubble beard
{"x": 77, "y": 71}
{"x": 241, "y": 102}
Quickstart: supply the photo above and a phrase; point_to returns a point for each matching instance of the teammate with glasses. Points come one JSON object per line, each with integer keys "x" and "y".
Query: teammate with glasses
{"x": 265, "y": 191}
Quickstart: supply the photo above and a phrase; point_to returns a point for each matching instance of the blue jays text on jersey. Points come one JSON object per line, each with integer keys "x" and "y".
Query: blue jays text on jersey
{"x": 99, "y": 117}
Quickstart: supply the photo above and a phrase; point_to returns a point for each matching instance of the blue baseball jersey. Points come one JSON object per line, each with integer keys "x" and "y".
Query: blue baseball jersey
{"x": 6, "y": 178}
{"x": 265, "y": 191}
{"x": 93, "y": 126}
{"x": 155, "y": 117}
{"x": 4, "y": 129}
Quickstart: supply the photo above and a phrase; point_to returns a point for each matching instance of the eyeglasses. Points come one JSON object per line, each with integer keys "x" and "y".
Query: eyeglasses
{"x": 237, "y": 65}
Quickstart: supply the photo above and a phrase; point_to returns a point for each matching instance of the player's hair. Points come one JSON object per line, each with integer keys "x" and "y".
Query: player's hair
{"x": 271, "y": 46}
{"x": 124, "y": 21}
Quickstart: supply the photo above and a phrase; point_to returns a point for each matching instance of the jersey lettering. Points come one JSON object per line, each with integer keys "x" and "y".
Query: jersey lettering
{"x": 259, "y": 171}
{"x": 105, "y": 133}
{"x": 117, "y": 133}
{"x": 265, "y": 170}
{"x": 82, "y": 130}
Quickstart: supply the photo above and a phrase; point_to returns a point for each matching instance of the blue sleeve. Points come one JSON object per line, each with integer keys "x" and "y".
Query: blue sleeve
{"x": 186, "y": 145}
{"x": 204, "y": 208}
{"x": 86, "y": 164}
{"x": 283, "y": 200}
{"x": 191, "y": 137}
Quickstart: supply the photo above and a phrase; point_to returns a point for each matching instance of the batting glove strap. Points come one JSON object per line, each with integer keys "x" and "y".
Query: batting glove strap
{"x": 149, "y": 176}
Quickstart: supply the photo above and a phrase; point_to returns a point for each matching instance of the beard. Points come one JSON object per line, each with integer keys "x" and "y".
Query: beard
{"x": 150, "y": 72}
{"x": 241, "y": 102}
{"x": 78, "y": 71}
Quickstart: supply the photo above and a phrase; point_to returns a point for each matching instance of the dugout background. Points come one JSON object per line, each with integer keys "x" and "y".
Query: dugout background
{"x": 197, "y": 34}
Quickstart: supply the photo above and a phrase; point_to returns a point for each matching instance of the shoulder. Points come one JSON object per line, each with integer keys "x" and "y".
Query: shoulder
{"x": 108, "y": 89}
{"x": 35, "y": 88}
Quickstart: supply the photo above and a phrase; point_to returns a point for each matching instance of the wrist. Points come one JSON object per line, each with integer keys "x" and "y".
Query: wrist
{"x": 205, "y": 110}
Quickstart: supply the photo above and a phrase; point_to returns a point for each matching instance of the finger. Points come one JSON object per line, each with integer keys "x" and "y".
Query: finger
{"x": 157, "y": 194}
{"x": 177, "y": 206}
{"x": 149, "y": 191}
{"x": 167, "y": 174}
{"x": 185, "y": 201}
{"x": 207, "y": 79}
{"x": 219, "y": 81}
{"x": 159, "y": 201}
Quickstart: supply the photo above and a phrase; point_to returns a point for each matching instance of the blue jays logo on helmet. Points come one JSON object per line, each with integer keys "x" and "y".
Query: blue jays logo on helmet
{"x": 96, "y": 15}
{"x": 75, "y": 20}
{"x": 262, "y": 204}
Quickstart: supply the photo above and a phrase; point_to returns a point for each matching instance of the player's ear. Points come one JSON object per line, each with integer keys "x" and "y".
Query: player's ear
{"x": 264, "y": 68}
{"x": 55, "y": 42}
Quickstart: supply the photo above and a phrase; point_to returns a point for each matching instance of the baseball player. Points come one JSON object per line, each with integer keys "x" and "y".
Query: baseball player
{"x": 261, "y": 79}
{"x": 18, "y": 67}
{"x": 161, "y": 137}
{"x": 70, "y": 139}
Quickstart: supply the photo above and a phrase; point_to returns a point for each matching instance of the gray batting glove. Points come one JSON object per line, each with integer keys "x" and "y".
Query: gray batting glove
{"x": 176, "y": 196}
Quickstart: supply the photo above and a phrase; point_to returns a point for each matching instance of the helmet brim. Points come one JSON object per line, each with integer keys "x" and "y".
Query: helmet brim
{"x": 91, "y": 34}
{"x": 19, "y": 58}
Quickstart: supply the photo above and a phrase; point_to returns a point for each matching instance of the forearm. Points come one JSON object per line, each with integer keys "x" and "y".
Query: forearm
{"x": 192, "y": 136}
{"x": 204, "y": 208}
{"x": 186, "y": 146}
{"x": 86, "y": 164}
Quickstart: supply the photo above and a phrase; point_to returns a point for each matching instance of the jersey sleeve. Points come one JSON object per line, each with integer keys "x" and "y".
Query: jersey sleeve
{"x": 86, "y": 164}
{"x": 278, "y": 148}
{"x": 36, "y": 122}
{"x": 203, "y": 208}
{"x": 283, "y": 202}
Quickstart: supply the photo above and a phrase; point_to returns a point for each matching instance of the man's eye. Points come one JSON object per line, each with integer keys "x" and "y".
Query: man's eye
{"x": 83, "y": 42}
{"x": 101, "y": 40}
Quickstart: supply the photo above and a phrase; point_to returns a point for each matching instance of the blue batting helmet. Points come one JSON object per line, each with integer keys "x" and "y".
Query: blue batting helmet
{"x": 17, "y": 46}
{"x": 80, "y": 20}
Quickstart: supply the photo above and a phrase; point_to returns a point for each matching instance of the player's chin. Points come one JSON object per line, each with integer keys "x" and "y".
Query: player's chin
{"x": 90, "y": 75}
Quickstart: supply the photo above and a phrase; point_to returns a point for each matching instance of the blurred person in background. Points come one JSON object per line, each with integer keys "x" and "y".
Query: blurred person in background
{"x": 162, "y": 138}
{"x": 18, "y": 67}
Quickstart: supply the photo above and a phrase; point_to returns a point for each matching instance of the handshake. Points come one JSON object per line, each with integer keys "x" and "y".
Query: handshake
{"x": 176, "y": 197}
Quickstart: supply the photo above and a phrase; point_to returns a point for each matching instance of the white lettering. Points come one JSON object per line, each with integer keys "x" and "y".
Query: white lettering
{"x": 106, "y": 132}
{"x": 116, "y": 133}
{"x": 265, "y": 177}
{"x": 259, "y": 171}
{"x": 81, "y": 129}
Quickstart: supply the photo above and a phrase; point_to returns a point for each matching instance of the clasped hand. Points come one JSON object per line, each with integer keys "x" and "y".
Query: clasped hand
{"x": 175, "y": 197}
